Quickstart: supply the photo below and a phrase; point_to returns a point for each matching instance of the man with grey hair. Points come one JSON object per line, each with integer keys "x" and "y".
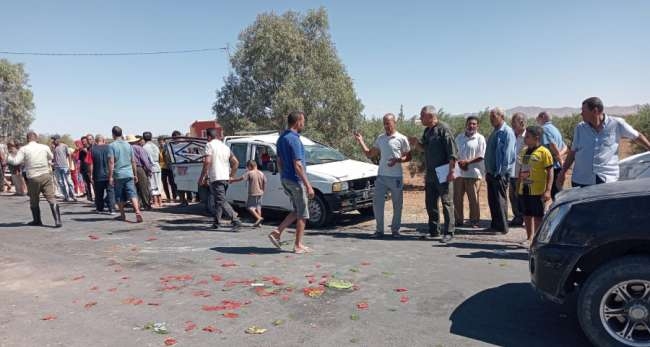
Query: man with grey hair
{"x": 518, "y": 123}
{"x": 36, "y": 160}
{"x": 499, "y": 165}
{"x": 553, "y": 141}
{"x": 104, "y": 193}
{"x": 440, "y": 155}
{"x": 393, "y": 149}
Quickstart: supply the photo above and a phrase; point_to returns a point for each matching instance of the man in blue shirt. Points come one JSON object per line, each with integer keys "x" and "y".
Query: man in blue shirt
{"x": 291, "y": 161}
{"x": 553, "y": 141}
{"x": 499, "y": 166}
{"x": 122, "y": 173}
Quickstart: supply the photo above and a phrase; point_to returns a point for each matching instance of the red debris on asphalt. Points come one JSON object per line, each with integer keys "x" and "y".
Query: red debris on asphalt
{"x": 170, "y": 278}
{"x": 79, "y": 278}
{"x": 170, "y": 341}
{"x": 189, "y": 326}
{"x": 94, "y": 288}
{"x": 49, "y": 317}
{"x": 152, "y": 239}
{"x": 202, "y": 282}
{"x": 400, "y": 290}
{"x": 201, "y": 293}
{"x": 90, "y": 304}
{"x": 228, "y": 264}
{"x": 404, "y": 299}
{"x": 225, "y": 305}
{"x": 362, "y": 305}
{"x": 93, "y": 237}
{"x": 276, "y": 281}
{"x": 365, "y": 263}
{"x": 231, "y": 315}
{"x": 132, "y": 301}
{"x": 216, "y": 278}
{"x": 211, "y": 329}
{"x": 112, "y": 290}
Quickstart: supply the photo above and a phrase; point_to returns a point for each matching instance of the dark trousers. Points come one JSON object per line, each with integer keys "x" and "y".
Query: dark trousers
{"x": 435, "y": 191}
{"x": 554, "y": 189}
{"x": 578, "y": 185}
{"x": 218, "y": 190}
{"x": 515, "y": 202}
{"x": 168, "y": 181}
{"x": 497, "y": 188}
{"x": 102, "y": 187}
{"x": 143, "y": 188}
{"x": 89, "y": 191}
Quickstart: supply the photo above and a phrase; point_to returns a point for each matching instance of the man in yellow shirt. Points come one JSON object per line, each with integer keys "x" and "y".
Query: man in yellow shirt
{"x": 535, "y": 179}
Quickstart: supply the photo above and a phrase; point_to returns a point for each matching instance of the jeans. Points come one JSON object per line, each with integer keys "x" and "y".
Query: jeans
{"x": 445, "y": 192}
{"x": 86, "y": 177}
{"x": 218, "y": 190}
{"x": 384, "y": 184}
{"x": 497, "y": 188}
{"x": 65, "y": 182}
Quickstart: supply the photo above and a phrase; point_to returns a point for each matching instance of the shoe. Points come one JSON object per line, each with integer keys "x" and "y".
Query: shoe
{"x": 258, "y": 222}
{"x": 275, "y": 241}
{"x": 216, "y": 225}
{"x": 56, "y": 213}
{"x": 377, "y": 235}
{"x": 459, "y": 224}
{"x": 236, "y": 223}
{"x": 516, "y": 223}
{"x": 138, "y": 218}
{"x": 396, "y": 235}
{"x": 36, "y": 216}
{"x": 447, "y": 238}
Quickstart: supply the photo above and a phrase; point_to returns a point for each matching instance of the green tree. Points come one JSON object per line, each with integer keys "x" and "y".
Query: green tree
{"x": 641, "y": 122}
{"x": 400, "y": 115}
{"x": 288, "y": 62}
{"x": 16, "y": 100}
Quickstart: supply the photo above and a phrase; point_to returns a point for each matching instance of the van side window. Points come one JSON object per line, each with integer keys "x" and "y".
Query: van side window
{"x": 263, "y": 156}
{"x": 239, "y": 150}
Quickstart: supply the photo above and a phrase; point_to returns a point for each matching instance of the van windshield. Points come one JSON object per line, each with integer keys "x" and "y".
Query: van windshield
{"x": 319, "y": 154}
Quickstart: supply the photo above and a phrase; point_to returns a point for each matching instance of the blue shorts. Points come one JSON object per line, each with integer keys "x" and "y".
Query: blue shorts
{"x": 124, "y": 189}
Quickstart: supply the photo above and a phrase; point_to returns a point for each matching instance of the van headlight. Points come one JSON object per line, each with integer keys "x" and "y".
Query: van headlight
{"x": 339, "y": 186}
{"x": 551, "y": 222}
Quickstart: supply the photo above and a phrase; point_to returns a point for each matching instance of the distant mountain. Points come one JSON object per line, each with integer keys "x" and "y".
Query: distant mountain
{"x": 533, "y": 111}
{"x": 568, "y": 111}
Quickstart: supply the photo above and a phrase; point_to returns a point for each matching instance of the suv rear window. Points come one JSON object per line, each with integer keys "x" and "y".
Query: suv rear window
{"x": 239, "y": 150}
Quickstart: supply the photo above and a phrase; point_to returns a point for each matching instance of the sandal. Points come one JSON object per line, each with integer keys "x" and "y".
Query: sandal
{"x": 138, "y": 218}
{"x": 275, "y": 241}
{"x": 120, "y": 218}
{"x": 258, "y": 222}
{"x": 302, "y": 250}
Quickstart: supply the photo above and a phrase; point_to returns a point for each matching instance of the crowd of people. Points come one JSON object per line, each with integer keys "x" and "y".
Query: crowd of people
{"x": 526, "y": 165}
{"x": 130, "y": 170}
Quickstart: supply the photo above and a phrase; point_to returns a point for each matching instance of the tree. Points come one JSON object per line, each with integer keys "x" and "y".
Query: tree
{"x": 16, "y": 100}
{"x": 288, "y": 62}
{"x": 400, "y": 115}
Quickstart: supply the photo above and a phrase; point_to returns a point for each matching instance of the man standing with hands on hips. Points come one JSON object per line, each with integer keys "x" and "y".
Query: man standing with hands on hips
{"x": 440, "y": 156}
{"x": 393, "y": 149}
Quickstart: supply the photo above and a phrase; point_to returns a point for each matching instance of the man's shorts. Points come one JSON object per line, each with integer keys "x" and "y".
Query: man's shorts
{"x": 124, "y": 189}
{"x": 254, "y": 202}
{"x": 533, "y": 205}
{"x": 298, "y": 196}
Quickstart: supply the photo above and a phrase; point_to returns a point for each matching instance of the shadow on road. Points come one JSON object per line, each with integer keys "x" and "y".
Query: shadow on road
{"x": 513, "y": 315}
{"x": 489, "y": 250}
{"x": 13, "y": 225}
{"x": 247, "y": 250}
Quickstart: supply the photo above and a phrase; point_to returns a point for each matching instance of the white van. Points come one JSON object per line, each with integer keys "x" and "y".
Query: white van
{"x": 341, "y": 184}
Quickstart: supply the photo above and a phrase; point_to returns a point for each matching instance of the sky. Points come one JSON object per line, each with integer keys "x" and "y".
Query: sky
{"x": 461, "y": 56}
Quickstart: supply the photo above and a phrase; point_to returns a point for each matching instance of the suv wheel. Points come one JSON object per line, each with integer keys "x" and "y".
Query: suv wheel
{"x": 319, "y": 214}
{"x": 614, "y": 304}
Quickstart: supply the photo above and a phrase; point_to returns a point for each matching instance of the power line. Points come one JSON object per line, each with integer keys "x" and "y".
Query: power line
{"x": 62, "y": 54}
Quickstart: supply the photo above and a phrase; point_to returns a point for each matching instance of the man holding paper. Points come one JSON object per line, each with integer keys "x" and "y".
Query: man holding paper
{"x": 440, "y": 158}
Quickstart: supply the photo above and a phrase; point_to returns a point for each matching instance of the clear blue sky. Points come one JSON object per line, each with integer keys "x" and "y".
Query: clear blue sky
{"x": 459, "y": 55}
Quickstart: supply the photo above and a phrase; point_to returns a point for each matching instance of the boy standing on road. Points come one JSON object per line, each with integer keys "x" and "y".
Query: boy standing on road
{"x": 535, "y": 179}
{"x": 256, "y": 187}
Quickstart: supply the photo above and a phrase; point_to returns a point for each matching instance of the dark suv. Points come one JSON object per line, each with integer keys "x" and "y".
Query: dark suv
{"x": 595, "y": 242}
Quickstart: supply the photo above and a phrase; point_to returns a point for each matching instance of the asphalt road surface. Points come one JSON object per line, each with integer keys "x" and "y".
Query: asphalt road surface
{"x": 100, "y": 282}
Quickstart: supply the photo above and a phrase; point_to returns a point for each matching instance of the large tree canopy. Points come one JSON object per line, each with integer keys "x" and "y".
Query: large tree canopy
{"x": 283, "y": 63}
{"x": 16, "y": 100}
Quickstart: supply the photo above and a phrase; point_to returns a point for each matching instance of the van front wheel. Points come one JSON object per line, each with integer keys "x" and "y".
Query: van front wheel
{"x": 319, "y": 213}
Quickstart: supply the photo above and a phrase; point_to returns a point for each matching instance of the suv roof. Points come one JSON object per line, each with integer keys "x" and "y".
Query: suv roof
{"x": 266, "y": 138}
{"x": 605, "y": 191}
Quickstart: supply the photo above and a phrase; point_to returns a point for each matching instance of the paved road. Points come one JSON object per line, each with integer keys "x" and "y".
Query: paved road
{"x": 104, "y": 280}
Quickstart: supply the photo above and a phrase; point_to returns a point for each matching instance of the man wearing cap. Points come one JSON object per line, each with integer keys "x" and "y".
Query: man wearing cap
{"x": 143, "y": 171}
{"x": 36, "y": 159}
{"x": 62, "y": 168}
{"x": 122, "y": 173}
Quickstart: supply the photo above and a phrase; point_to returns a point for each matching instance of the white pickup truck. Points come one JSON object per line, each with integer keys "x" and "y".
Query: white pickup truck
{"x": 341, "y": 184}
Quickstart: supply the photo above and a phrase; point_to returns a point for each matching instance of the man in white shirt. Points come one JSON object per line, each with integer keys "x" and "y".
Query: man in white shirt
{"x": 36, "y": 159}
{"x": 155, "y": 182}
{"x": 471, "y": 150}
{"x": 518, "y": 123}
{"x": 219, "y": 166}
{"x": 393, "y": 149}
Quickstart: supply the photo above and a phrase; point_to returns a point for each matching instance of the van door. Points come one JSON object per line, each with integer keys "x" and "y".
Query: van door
{"x": 266, "y": 159}
{"x": 238, "y": 192}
